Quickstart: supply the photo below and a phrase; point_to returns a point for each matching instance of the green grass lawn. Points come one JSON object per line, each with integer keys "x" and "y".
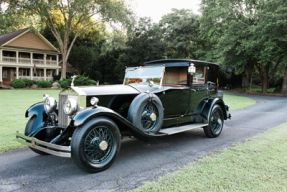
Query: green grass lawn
{"x": 259, "y": 164}
{"x": 259, "y": 89}
{"x": 14, "y": 103}
{"x": 236, "y": 102}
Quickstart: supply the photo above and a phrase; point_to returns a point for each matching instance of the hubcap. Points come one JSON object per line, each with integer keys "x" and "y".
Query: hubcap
{"x": 103, "y": 145}
{"x": 219, "y": 121}
{"x": 153, "y": 117}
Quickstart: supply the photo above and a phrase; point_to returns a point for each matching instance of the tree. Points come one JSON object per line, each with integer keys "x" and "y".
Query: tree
{"x": 77, "y": 17}
{"x": 271, "y": 31}
{"x": 240, "y": 34}
{"x": 181, "y": 31}
{"x": 82, "y": 58}
{"x": 145, "y": 44}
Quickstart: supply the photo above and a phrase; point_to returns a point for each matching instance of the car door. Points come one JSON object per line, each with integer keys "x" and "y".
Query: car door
{"x": 175, "y": 94}
{"x": 198, "y": 87}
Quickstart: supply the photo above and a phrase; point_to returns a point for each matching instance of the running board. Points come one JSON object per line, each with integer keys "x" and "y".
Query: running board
{"x": 171, "y": 131}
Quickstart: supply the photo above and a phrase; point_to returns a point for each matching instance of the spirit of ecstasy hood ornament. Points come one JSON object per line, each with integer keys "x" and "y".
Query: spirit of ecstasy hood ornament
{"x": 73, "y": 79}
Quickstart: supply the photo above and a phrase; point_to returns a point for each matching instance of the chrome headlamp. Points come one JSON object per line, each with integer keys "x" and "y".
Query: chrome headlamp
{"x": 50, "y": 104}
{"x": 70, "y": 106}
{"x": 94, "y": 101}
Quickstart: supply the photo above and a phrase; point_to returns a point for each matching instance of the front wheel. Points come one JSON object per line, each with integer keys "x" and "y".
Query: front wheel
{"x": 96, "y": 144}
{"x": 215, "y": 124}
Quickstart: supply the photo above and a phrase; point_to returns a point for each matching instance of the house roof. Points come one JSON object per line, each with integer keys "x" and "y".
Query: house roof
{"x": 7, "y": 37}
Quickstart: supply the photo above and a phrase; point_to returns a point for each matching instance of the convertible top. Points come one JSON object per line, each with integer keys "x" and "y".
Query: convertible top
{"x": 177, "y": 62}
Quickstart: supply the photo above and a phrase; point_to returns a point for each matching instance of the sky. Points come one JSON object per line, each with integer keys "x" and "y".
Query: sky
{"x": 157, "y": 8}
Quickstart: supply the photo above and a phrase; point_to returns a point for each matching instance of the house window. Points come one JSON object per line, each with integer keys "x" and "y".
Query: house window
{"x": 5, "y": 74}
{"x": 26, "y": 72}
{"x": 38, "y": 73}
{"x": 49, "y": 73}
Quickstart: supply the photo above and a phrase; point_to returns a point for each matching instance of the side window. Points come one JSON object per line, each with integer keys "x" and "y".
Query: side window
{"x": 175, "y": 75}
{"x": 199, "y": 76}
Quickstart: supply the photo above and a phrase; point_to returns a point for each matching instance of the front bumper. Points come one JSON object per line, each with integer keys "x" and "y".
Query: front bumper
{"x": 57, "y": 150}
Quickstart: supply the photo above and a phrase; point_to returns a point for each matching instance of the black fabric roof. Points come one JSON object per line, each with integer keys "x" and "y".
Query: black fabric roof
{"x": 176, "y": 62}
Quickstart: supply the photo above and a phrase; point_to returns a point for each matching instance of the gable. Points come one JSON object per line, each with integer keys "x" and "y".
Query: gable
{"x": 30, "y": 41}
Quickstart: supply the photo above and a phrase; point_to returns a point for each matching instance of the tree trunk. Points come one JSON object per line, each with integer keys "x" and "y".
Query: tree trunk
{"x": 249, "y": 80}
{"x": 264, "y": 79}
{"x": 284, "y": 85}
{"x": 64, "y": 64}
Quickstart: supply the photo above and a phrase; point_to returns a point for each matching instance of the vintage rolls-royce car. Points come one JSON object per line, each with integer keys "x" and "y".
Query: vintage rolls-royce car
{"x": 162, "y": 98}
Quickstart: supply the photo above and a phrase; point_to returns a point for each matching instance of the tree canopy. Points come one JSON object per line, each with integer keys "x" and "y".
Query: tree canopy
{"x": 242, "y": 35}
{"x": 64, "y": 17}
{"x": 180, "y": 31}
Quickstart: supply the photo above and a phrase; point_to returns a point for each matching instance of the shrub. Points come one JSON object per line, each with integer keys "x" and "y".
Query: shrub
{"x": 29, "y": 82}
{"x": 18, "y": 83}
{"x": 65, "y": 83}
{"x": 92, "y": 82}
{"x": 57, "y": 77}
{"x": 80, "y": 80}
{"x": 44, "y": 84}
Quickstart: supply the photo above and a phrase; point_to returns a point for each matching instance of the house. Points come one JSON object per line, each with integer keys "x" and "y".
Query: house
{"x": 20, "y": 51}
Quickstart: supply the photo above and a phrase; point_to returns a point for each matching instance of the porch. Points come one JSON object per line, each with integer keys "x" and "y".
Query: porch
{"x": 28, "y": 58}
{"x": 8, "y": 74}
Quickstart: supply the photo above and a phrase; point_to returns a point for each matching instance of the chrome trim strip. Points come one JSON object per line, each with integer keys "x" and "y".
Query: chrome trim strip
{"x": 162, "y": 74}
{"x": 62, "y": 117}
{"x": 23, "y": 139}
{"x": 79, "y": 91}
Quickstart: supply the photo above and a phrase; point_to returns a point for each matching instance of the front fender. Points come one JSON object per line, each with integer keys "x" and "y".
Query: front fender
{"x": 92, "y": 112}
{"x": 38, "y": 110}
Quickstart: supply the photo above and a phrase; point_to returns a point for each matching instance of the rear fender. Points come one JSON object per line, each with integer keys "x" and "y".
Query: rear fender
{"x": 38, "y": 110}
{"x": 84, "y": 116}
{"x": 206, "y": 105}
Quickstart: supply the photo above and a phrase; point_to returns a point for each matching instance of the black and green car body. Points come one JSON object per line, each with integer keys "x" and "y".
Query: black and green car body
{"x": 163, "y": 97}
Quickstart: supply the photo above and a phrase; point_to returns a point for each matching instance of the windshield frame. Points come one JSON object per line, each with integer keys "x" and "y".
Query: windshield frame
{"x": 162, "y": 72}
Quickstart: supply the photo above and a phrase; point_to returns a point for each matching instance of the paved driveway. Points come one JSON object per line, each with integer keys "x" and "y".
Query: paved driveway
{"x": 23, "y": 170}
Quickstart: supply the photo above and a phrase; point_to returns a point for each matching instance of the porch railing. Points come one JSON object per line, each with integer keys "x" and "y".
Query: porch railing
{"x": 6, "y": 59}
{"x": 38, "y": 61}
{"x": 24, "y": 60}
{"x": 51, "y": 62}
{"x": 9, "y": 59}
{"x": 36, "y": 78}
{"x": 24, "y": 77}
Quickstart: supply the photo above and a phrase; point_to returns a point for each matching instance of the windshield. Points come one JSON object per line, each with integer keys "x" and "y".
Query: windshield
{"x": 144, "y": 75}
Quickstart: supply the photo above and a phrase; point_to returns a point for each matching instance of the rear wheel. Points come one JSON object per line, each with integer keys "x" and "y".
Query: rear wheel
{"x": 216, "y": 121}
{"x": 28, "y": 130}
{"x": 96, "y": 144}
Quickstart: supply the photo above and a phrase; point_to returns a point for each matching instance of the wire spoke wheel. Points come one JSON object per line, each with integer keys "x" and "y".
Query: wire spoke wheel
{"x": 149, "y": 111}
{"x": 216, "y": 122}
{"x": 99, "y": 144}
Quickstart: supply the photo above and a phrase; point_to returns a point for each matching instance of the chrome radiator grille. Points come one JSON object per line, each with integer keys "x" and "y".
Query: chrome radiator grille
{"x": 63, "y": 118}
